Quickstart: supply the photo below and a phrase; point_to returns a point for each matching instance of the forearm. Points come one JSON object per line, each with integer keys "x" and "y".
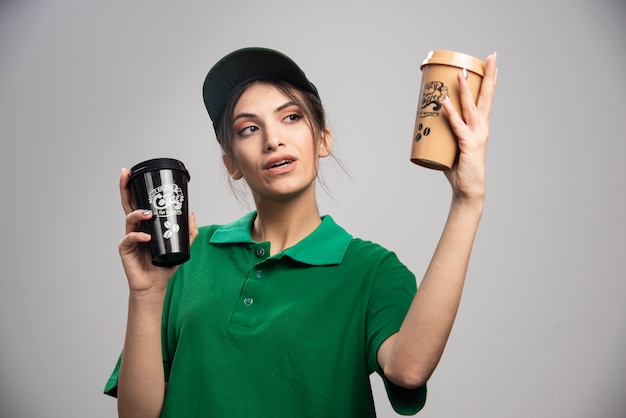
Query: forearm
{"x": 141, "y": 387}
{"x": 414, "y": 352}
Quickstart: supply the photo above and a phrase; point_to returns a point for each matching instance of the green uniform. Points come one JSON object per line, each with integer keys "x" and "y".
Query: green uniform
{"x": 293, "y": 335}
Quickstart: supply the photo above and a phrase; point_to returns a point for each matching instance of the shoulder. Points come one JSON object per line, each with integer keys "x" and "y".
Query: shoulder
{"x": 365, "y": 252}
{"x": 207, "y": 231}
{"x": 200, "y": 245}
{"x": 373, "y": 257}
{"x": 364, "y": 248}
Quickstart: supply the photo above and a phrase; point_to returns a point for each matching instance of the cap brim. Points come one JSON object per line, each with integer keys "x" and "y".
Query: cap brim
{"x": 244, "y": 65}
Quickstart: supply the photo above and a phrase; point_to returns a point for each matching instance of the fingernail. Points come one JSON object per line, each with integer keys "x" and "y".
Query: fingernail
{"x": 146, "y": 212}
{"x": 465, "y": 73}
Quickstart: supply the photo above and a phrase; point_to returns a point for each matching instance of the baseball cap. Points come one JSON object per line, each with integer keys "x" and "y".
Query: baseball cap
{"x": 248, "y": 64}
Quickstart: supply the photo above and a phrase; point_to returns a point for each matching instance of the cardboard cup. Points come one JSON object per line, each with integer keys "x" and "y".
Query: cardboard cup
{"x": 434, "y": 144}
{"x": 160, "y": 185}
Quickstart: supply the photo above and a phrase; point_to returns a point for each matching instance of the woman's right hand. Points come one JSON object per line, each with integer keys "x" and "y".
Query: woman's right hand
{"x": 143, "y": 277}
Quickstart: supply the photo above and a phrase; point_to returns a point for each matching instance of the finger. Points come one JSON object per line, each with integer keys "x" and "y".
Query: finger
{"x": 488, "y": 86}
{"x": 193, "y": 229}
{"x": 454, "y": 119}
{"x": 128, "y": 203}
{"x": 132, "y": 238}
{"x": 466, "y": 98}
{"x": 134, "y": 218}
{"x": 131, "y": 243}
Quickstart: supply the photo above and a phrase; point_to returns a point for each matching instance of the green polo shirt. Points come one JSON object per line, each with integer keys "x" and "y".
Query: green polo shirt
{"x": 293, "y": 335}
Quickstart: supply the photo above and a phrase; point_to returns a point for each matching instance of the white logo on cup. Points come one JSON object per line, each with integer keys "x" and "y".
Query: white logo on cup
{"x": 167, "y": 199}
{"x": 170, "y": 230}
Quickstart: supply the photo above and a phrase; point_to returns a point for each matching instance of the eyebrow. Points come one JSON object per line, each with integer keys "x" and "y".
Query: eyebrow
{"x": 278, "y": 109}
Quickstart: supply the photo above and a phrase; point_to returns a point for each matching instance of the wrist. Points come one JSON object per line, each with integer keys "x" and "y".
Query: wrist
{"x": 152, "y": 297}
{"x": 469, "y": 205}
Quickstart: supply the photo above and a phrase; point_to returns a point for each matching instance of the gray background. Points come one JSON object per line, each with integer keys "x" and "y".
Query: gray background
{"x": 87, "y": 88}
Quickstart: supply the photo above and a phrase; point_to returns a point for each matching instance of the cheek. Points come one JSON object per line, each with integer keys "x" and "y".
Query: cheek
{"x": 242, "y": 160}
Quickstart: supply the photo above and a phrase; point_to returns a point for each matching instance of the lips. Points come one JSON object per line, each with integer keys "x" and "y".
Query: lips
{"x": 279, "y": 162}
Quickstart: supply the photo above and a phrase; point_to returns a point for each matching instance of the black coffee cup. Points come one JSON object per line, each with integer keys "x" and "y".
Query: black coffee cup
{"x": 160, "y": 185}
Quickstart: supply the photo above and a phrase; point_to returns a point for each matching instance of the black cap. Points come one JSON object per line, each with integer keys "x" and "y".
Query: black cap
{"x": 248, "y": 64}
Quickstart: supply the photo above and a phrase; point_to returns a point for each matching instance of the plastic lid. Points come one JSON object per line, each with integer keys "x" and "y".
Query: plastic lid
{"x": 456, "y": 59}
{"x": 158, "y": 164}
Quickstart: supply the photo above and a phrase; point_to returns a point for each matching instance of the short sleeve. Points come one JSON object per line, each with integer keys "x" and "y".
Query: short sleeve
{"x": 405, "y": 401}
{"x": 111, "y": 386}
{"x": 393, "y": 289}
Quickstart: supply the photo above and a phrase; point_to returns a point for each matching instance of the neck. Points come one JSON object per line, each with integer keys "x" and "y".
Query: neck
{"x": 285, "y": 223}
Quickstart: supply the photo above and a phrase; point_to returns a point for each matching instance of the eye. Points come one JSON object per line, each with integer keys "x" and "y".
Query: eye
{"x": 294, "y": 117}
{"x": 248, "y": 130}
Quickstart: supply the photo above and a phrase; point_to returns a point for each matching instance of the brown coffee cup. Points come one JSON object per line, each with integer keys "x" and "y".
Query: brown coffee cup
{"x": 434, "y": 144}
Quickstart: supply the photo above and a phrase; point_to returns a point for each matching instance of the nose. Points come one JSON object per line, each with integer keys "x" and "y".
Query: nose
{"x": 273, "y": 140}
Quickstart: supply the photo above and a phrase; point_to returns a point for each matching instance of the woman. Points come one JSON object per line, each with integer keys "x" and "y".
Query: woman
{"x": 282, "y": 313}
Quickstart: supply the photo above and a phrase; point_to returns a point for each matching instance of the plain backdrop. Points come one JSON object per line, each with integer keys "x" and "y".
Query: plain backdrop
{"x": 87, "y": 88}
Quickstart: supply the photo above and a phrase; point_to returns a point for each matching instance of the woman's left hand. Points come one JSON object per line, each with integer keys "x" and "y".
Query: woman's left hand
{"x": 471, "y": 128}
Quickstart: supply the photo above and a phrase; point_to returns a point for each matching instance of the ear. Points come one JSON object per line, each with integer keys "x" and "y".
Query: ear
{"x": 232, "y": 168}
{"x": 326, "y": 143}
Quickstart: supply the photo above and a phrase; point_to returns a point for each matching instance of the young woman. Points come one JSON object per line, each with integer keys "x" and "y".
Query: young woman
{"x": 282, "y": 313}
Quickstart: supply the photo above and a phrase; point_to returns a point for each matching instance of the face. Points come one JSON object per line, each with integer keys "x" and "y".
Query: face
{"x": 274, "y": 147}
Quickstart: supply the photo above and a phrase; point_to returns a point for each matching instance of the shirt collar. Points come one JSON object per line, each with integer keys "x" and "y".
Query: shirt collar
{"x": 326, "y": 245}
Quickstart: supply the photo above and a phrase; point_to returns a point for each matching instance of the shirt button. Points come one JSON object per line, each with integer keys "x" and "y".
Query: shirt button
{"x": 260, "y": 252}
{"x": 248, "y": 301}
{"x": 258, "y": 273}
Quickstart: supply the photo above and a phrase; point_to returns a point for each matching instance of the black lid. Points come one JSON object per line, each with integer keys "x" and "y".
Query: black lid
{"x": 158, "y": 164}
